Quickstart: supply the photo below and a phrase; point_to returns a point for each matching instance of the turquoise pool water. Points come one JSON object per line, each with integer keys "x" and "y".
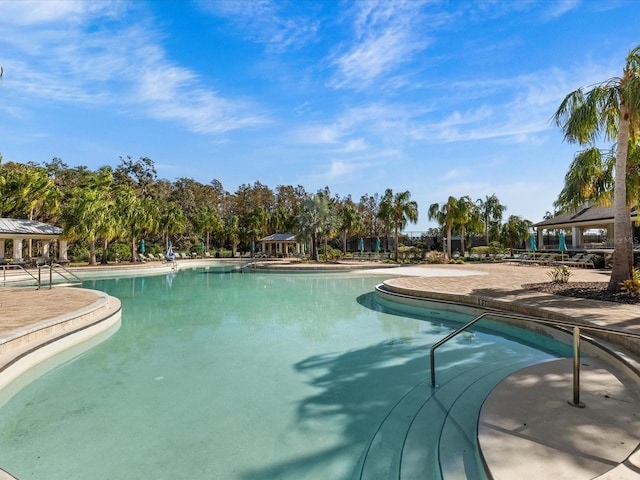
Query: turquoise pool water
{"x": 219, "y": 375}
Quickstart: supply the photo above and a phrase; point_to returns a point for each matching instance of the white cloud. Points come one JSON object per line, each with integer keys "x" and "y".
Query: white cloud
{"x": 386, "y": 36}
{"x": 126, "y": 67}
{"x": 34, "y": 12}
{"x": 264, "y": 21}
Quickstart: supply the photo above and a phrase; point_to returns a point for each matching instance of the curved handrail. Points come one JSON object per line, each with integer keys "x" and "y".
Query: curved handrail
{"x": 576, "y": 327}
{"x": 56, "y": 267}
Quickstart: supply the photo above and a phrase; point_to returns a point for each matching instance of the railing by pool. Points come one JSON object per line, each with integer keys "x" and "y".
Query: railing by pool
{"x": 576, "y": 328}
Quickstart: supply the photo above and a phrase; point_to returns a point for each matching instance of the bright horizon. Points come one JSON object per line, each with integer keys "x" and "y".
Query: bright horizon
{"x": 438, "y": 98}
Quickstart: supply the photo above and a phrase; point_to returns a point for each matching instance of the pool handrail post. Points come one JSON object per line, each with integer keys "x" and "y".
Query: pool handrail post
{"x": 432, "y": 351}
{"x": 557, "y": 323}
{"x": 576, "y": 368}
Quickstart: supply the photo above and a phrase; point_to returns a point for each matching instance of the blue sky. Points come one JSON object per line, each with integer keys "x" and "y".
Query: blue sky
{"x": 438, "y": 98}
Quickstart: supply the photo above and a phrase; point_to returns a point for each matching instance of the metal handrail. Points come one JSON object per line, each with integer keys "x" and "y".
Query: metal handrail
{"x": 56, "y": 266}
{"x": 17, "y": 266}
{"x": 556, "y": 323}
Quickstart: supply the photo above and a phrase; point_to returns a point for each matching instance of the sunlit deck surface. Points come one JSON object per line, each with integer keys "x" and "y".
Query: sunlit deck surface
{"x": 527, "y": 429}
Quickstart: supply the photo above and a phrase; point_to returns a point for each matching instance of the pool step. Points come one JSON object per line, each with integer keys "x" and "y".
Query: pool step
{"x": 406, "y": 445}
{"x": 448, "y": 449}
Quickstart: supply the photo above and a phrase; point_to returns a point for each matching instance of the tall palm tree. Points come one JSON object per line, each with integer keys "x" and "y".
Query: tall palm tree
{"x": 445, "y": 215}
{"x": 87, "y": 215}
{"x": 257, "y": 225}
{"x": 171, "y": 221}
{"x": 610, "y": 109}
{"x": 398, "y": 209}
{"x": 314, "y": 218}
{"x": 464, "y": 213}
{"x": 514, "y": 231}
{"x": 232, "y": 232}
{"x": 349, "y": 222}
{"x": 491, "y": 211}
{"x": 588, "y": 180}
{"x": 137, "y": 215}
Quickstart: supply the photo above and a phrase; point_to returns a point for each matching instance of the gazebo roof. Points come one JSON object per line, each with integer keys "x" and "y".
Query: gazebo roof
{"x": 280, "y": 237}
{"x": 593, "y": 217}
{"x": 21, "y": 228}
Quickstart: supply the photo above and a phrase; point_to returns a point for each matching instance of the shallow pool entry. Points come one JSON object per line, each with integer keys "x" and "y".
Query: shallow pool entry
{"x": 224, "y": 374}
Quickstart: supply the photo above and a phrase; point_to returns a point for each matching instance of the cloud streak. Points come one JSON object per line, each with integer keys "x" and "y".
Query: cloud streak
{"x": 70, "y": 61}
{"x": 385, "y": 36}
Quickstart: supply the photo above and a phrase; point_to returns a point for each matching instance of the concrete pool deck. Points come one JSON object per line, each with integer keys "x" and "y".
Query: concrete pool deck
{"x": 526, "y": 428}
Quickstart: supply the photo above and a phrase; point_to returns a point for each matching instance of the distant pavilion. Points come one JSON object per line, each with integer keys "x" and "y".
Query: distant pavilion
{"x": 21, "y": 230}
{"x": 277, "y": 245}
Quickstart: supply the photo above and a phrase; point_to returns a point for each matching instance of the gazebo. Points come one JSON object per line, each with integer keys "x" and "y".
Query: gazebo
{"x": 21, "y": 230}
{"x": 278, "y": 244}
{"x": 587, "y": 218}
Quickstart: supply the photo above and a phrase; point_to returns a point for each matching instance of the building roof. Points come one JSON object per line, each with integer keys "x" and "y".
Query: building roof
{"x": 593, "y": 217}
{"x": 17, "y": 227}
{"x": 280, "y": 237}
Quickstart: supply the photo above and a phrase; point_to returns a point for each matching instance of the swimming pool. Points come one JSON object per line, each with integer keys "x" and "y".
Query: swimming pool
{"x": 217, "y": 374}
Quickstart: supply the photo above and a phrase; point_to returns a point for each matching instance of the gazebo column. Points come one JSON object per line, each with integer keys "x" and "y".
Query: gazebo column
{"x": 577, "y": 237}
{"x": 540, "y": 238}
{"x": 62, "y": 254}
{"x": 17, "y": 249}
{"x": 2, "y": 249}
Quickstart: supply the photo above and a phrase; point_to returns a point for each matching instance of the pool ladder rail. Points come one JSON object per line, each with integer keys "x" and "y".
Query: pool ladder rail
{"x": 565, "y": 325}
{"x": 69, "y": 277}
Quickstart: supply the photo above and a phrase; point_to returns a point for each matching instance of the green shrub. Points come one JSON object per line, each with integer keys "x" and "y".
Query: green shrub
{"x": 331, "y": 254}
{"x": 119, "y": 252}
{"x": 632, "y": 286}
{"x": 559, "y": 274}
{"x": 435, "y": 257}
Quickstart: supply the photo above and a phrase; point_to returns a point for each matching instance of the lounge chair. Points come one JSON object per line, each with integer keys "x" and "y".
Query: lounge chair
{"x": 520, "y": 258}
{"x": 573, "y": 261}
{"x": 586, "y": 261}
{"x": 550, "y": 259}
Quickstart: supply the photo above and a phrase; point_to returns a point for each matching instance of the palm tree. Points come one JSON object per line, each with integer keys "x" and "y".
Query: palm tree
{"x": 349, "y": 222}
{"x": 398, "y": 209}
{"x": 465, "y": 214}
{"x": 588, "y": 180}
{"x": 514, "y": 231}
{"x": 257, "y": 225}
{"x": 232, "y": 232}
{"x": 491, "y": 211}
{"x": 445, "y": 215}
{"x": 138, "y": 216}
{"x": 88, "y": 214}
{"x": 314, "y": 218}
{"x": 610, "y": 109}
{"x": 172, "y": 220}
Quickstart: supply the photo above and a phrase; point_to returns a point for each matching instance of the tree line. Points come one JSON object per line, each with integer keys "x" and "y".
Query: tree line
{"x": 103, "y": 210}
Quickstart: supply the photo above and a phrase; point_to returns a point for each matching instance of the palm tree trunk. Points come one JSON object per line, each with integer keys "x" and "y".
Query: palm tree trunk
{"x": 622, "y": 231}
{"x": 105, "y": 246}
{"x": 314, "y": 247}
{"x": 92, "y": 252}
{"x": 395, "y": 240}
{"x": 344, "y": 242}
{"x": 462, "y": 233}
{"x": 449, "y": 243}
